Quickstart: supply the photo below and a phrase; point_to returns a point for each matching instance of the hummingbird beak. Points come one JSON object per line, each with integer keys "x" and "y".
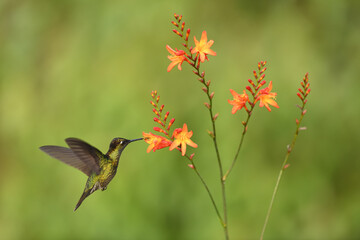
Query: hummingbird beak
{"x": 137, "y": 139}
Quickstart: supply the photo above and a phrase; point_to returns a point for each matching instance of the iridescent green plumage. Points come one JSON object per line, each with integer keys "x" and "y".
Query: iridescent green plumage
{"x": 100, "y": 168}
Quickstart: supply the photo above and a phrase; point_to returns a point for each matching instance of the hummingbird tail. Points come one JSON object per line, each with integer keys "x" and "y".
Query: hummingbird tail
{"x": 82, "y": 198}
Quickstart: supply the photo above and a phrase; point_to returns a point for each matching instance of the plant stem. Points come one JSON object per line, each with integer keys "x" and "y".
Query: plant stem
{"x": 196, "y": 64}
{"x": 222, "y": 182}
{"x": 239, "y": 147}
{"x": 283, "y": 167}
{"x": 208, "y": 191}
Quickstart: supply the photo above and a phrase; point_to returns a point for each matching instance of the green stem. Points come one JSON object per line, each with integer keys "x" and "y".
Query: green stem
{"x": 208, "y": 191}
{"x": 290, "y": 148}
{"x": 222, "y": 182}
{"x": 239, "y": 147}
{"x": 196, "y": 65}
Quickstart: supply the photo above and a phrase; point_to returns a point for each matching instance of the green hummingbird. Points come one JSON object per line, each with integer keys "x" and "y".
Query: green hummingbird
{"x": 100, "y": 168}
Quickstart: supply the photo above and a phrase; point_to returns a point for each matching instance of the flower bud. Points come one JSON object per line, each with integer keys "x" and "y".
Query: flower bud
{"x": 255, "y": 75}
{"x": 171, "y": 123}
{"x": 215, "y": 116}
{"x": 211, "y": 134}
{"x": 166, "y": 116}
{"x": 207, "y": 105}
{"x": 187, "y": 35}
{"x": 249, "y": 89}
{"x": 299, "y": 95}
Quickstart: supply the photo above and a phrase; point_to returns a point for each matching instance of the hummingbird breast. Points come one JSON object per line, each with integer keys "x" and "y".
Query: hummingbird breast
{"x": 107, "y": 173}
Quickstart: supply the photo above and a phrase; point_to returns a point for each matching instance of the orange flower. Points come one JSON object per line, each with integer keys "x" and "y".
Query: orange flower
{"x": 267, "y": 97}
{"x": 239, "y": 101}
{"x": 182, "y": 137}
{"x": 156, "y": 142}
{"x": 177, "y": 57}
{"x": 203, "y": 47}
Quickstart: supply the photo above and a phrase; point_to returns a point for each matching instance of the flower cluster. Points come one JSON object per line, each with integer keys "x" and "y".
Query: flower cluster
{"x": 201, "y": 49}
{"x": 180, "y": 136}
{"x": 302, "y": 94}
{"x": 265, "y": 96}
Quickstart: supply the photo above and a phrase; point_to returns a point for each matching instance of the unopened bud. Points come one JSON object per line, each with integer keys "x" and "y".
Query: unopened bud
{"x": 212, "y": 95}
{"x": 171, "y": 123}
{"x": 204, "y": 89}
{"x": 207, "y": 105}
{"x": 191, "y": 166}
{"x": 215, "y": 116}
{"x": 166, "y": 116}
{"x": 255, "y": 75}
{"x": 286, "y": 166}
{"x": 249, "y": 89}
{"x": 187, "y": 35}
{"x": 288, "y": 148}
{"x": 302, "y": 128}
{"x": 262, "y": 77}
{"x": 192, "y": 156}
{"x": 182, "y": 26}
{"x": 177, "y": 32}
{"x": 304, "y": 112}
{"x": 156, "y": 112}
{"x": 211, "y": 134}
{"x": 299, "y": 95}
{"x": 208, "y": 83}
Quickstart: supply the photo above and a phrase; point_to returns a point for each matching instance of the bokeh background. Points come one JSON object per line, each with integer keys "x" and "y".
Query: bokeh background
{"x": 86, "y": 69}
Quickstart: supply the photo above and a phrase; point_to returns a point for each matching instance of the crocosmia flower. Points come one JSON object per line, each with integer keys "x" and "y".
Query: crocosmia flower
{"x": 182, "y": 137}
{"x": 177, "y": 57}
{"x": 267, "y": 97}
{"x": 155, "y": 142}
{"x": 239, "y": 101}
{"x": 203, "y": 47}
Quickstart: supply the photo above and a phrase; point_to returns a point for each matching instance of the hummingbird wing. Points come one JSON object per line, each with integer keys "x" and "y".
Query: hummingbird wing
{"x": 66, "y": 155}
{"x": 87, "y": 153}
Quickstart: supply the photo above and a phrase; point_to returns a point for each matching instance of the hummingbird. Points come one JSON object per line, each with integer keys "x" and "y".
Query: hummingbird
{"x": 100, "y": 168}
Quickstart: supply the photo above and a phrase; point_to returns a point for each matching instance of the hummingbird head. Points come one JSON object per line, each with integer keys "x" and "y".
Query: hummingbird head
{"x": 119, "y": 144}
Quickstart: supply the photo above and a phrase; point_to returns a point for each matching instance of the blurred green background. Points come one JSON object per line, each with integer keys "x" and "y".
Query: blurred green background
{"x": 86, "y": 69}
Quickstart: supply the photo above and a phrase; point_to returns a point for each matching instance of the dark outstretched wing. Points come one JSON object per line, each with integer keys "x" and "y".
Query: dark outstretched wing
{"x": 67, "y": 156}
{"x": 87, "y": 153}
